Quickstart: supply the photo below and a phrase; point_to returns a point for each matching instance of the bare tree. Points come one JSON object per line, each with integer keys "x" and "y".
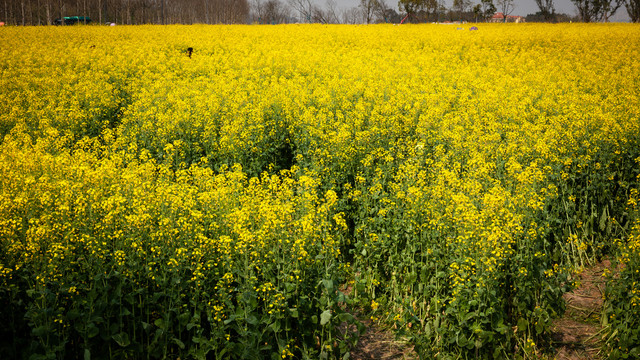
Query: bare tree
{"x": 257, "y": 11}
{"x": 304, "y": 7}
{"x": 331, "y": 11}
{"x": 382, "y": 11}
{"x": 585, "y": 9}
{"x": 22, "y": 5}
{"x": 608, "y": 8}
{"x": 319, "y": 15}
{"x": 312, "y": 13}
{"x": 275, "y": 12}
{"x": 368, "y": 7}
{"x": 38, "y": 12}
{"x": 633, "y": 9}
{"x": 547, "y": 9}
{"x": 506, "y": 7}
{"x": 351, "y": 15}
{"x": 61, "y": 10}
{"x": 47, "y": 7}
{"x": 596, "y": 10}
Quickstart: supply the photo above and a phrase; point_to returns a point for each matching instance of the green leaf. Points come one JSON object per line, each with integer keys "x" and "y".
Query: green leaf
{"x": 345, "y": 317}
{"x": 179, "y": 343}
{"x": 603, "y": 219}
{"x": 469, "y": 316}
{"x": 252, "y": 320}
{"x": 121, "y": 339}
{"x": 73, "y": 314}
{"x": 294, "y": 312}
{"x": 328, "y": 284}
{"x": 114, "y": 329}
{"x": 275, "y": 326}
{"x": 325, "y": 317}
{"x": 539, "y": 327}
{"x": 424, "y": 275}
{"x": 159, "y": 323}
{"x": 501, "y": 328}
{"x": 184, "y": 318}
{"x": 87, "y": 354}
{"x": 41, "y": 331}
{"x": 522, "y": 324}
{"x": 289, "y": 287}
{"x": 145, "y": 325}
{"x": 92, "y": 330}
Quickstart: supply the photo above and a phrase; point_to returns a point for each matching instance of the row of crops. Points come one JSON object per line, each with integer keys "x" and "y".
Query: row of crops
{"x": 261, "y": 197}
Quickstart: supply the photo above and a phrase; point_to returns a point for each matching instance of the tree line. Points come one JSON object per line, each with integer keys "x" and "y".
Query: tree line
{"x": 125, "y": 12}
{"x": 466, "y": 10}
{"x": 46, "y": 12}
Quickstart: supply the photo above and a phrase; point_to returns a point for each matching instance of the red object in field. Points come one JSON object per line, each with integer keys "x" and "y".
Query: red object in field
{"x": 403, "y": 19}
{"x": 1, "y": 23}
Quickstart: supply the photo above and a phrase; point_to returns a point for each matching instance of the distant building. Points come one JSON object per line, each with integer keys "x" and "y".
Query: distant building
{"x": 499, "y": 17}
{"x": 72, "y": 20}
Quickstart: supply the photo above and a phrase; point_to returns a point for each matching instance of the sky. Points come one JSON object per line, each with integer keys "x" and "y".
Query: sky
{"x": 522, "y": 7}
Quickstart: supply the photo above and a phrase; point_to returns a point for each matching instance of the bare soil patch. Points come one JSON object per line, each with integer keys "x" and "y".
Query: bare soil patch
{"x": 577, "y": 334}
{"x": 377, "y": 343}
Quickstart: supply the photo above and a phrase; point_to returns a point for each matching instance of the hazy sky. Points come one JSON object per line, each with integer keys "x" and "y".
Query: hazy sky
{"x": 522, "y": 7}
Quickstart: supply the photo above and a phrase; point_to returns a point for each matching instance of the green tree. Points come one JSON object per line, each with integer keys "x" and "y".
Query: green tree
{"x": 461, "y": 6}
{"x": 431, "y": 8}
{"x": 411, "y": 7}
{"x": 477, "y": 12}
{"x": 488, "y": 9}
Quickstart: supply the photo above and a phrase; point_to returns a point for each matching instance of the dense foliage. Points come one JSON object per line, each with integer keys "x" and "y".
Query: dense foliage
{"x": 247, "y": 200}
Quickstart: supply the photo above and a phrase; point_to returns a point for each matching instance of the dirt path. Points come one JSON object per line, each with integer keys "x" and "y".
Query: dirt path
{"x": 379, "y": 344}
{"x": 576, "y": 335}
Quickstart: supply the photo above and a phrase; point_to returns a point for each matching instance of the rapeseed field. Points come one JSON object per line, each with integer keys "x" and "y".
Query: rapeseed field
{"x": 263, "y": 196}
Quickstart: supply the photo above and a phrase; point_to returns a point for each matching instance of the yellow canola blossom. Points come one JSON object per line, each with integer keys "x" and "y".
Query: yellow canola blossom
{"x": 213, "y": 205}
